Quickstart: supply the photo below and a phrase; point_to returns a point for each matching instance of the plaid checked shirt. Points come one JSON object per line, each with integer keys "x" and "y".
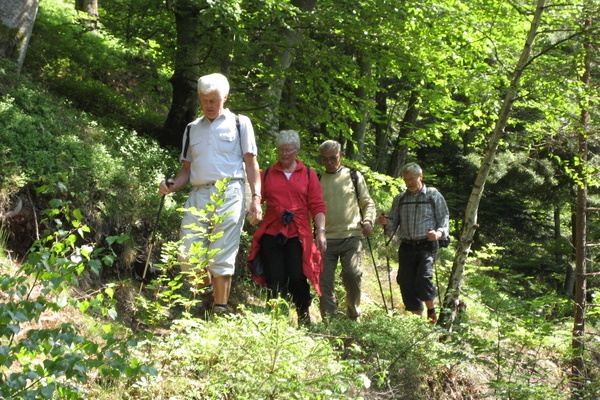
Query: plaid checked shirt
{"x": 415, "y": 215}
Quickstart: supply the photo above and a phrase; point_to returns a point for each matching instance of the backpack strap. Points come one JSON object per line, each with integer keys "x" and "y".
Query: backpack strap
{"x": 430, "y": 198}
{"x": 189, "y": 127}
{"x": 237, "y": 127}
{"x": 354, "y": 177}
{"x": 187, "y": 140}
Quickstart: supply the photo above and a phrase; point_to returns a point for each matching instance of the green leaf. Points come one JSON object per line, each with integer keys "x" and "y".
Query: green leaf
{"x": 18, "y": 316}
{"x": 110, "y": 291}
{"x": 96, "y": 266}
{"x": 84, "y": 305}
{"x": 48, "y": 391}
{"x": 14, "y": 328}
{"x": 77, "y": 214}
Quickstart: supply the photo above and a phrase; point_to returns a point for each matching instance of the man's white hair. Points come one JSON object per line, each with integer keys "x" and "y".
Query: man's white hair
{"x": 213, "y": 82}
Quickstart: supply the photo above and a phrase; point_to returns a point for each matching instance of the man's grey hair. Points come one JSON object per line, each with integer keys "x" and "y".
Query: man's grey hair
{"x": 330, "y": 144}
{"x": 213, "y": 82}
{"x": 412, "y": 168}
{"x": 288, "y": 137}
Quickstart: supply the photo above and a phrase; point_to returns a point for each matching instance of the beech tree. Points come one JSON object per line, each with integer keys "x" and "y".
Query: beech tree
{"x": 90, "y": 7}
{"x": 17, "y": 18}
{"x": 186, "y": 70}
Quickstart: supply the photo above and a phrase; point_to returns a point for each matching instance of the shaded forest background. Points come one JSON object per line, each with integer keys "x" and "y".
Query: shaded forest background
{"x": 95, "y": 116}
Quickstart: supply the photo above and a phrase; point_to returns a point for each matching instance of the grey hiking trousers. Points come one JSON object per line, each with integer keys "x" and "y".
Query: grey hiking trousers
{"x": 349, "y": 252}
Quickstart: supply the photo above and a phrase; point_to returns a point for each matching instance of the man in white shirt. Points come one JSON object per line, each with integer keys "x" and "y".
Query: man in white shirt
{"x": 217, "y": 146}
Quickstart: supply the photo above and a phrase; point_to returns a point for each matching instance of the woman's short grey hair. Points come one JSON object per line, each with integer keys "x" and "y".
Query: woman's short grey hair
{"x": 330, "y": 144}
{"x": 213, "y": 82}
{"x": 288, "y": 137}
{"x": 412, "y": 168}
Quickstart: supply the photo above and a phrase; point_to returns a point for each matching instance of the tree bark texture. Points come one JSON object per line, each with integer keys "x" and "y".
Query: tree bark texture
{"x": 17, "y": 18}
{"x": 451, "y": 299}
{"x": 578, "y": 368}
{"x": 281, "y": 61}
{"x": 381, "y": 128}
{"x": 398, "y": 158}
{"x": 359, "y": 127}
{"x": 88, "y": 6}
{"x": 185, "y": 102}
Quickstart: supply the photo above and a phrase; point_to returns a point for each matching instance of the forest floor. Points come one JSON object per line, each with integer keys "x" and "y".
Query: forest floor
{"x": 510, "y": 363}
{"x": 516, "y": 360}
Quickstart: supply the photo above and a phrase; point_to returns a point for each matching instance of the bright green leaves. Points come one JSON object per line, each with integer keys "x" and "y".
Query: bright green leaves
{"x": 50, "y": 361}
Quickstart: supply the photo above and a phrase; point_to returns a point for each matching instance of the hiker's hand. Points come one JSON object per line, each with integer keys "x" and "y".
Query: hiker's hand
{"x": 383, "y": 220}
{"x": 367, "y": 228}
{"x": 255, "y": 212}
{"x": 165, "y": 187}
{"x": 321, "y": 241}
{"x": 432, "y": 235}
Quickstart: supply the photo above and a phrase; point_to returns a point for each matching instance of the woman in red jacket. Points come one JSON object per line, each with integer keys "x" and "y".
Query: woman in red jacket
{"x": 285, "y": 252}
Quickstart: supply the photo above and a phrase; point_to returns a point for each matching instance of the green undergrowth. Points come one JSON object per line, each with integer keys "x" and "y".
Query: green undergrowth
{"x": 243, "y": 356}
{"x": 511, "y": 341}
{"x": 109, "y": 172}
{"x": 46, "y": 351}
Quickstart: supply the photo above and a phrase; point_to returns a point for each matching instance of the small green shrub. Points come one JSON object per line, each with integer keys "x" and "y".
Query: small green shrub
{"x": 46, "y": 362}
{"x": 400, "y": 353}
{"x": 180, "y": 294}
{"x": 245, "y": 356}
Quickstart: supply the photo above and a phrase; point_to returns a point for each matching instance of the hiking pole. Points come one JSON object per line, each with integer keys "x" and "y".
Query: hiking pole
{"x": 437, "y": 281}
{"x": 160, "y": 208}
{"x": 376, "y": 273}
{"x": 387, "y": 259}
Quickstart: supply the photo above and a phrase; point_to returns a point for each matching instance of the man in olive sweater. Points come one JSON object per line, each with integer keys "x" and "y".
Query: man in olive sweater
{"x": 350, "y": 215}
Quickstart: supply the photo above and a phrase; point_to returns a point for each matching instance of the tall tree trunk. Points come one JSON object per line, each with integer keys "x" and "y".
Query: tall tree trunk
{"x": 17, "y": 18}
{"x": 88, "y": 6}
{"x": 91, "y": 8}
{"x": 185, "y": 103}
{"x": 578, "y": 370}
{"x": 407, "y": 126}
{"x": 569, "y": 285}
{"x": 281, "y": 61}
{"x": 382, "y": 129}
{"x": 451, "y": 299}
{"x": 359, "y": 128}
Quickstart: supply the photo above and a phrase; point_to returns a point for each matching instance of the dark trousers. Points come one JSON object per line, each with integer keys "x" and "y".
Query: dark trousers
{"x": 283, "y": 271}
{"x": 415, "y": 275}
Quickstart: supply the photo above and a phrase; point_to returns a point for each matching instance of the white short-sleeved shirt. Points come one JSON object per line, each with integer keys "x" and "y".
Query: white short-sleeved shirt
{"x": 216, "y": 148}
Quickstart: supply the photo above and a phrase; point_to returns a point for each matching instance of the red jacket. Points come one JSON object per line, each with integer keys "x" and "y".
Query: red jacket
{"x": 302, "y": 195}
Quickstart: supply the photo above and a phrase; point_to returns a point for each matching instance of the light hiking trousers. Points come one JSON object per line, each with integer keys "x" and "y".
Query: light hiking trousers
{"x": 234, "y": 209}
